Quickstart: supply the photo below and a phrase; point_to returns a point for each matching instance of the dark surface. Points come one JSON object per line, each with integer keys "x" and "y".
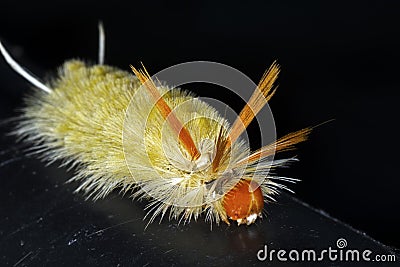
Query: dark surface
{"x": 339, "y": 60}
{"x": 43, "y": 223}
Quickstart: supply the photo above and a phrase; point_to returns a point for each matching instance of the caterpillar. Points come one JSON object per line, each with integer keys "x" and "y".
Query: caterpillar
{"x": 130, "y": 132}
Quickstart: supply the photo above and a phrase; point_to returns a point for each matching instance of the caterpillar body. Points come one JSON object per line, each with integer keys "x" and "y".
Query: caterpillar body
{"x": 132, "y": 133}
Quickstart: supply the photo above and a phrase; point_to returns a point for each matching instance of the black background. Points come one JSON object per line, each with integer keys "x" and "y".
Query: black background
{"x": 339, "y": 61}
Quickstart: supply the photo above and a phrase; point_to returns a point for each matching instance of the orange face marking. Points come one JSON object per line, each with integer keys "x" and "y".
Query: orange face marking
{"x": 244, "y": 202}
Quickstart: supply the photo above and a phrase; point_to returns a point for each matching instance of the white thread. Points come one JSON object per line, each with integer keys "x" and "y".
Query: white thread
{"x": 102, "y": 43}
{"x": 20, "y": 70}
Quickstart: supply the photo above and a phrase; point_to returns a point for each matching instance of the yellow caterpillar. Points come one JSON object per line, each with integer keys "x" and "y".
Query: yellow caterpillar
{"x": 159, "y": 143}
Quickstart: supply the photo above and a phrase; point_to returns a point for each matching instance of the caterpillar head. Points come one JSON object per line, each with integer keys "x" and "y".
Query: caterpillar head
{"x": 244, "y": 202}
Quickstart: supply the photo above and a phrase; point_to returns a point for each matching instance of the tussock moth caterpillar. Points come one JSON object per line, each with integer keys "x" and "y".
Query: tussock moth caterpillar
{"x": 133, "y": 133}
